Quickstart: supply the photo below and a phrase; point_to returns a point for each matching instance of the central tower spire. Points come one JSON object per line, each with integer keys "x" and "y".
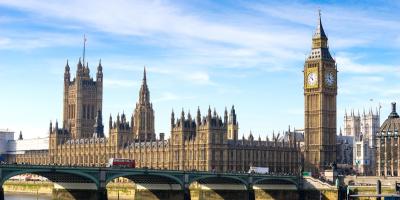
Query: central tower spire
{"x": 144, "y": 95}
{"x": 144, "y": 115}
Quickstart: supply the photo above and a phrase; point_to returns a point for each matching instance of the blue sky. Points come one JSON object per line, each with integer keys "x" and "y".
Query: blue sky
{"x": 197, "y": 53}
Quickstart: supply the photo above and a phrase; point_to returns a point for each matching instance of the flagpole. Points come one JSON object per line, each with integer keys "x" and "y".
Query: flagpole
{"x": 84, "y": 47}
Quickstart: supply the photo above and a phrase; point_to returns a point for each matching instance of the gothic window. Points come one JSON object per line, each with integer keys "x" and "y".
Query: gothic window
{"x": 84, "y": 111}
{"x": 87, "y": 111}
{"x": 91, "y": 112}
{"x": 358, "y": 150}
{"x": 176, "y": 156}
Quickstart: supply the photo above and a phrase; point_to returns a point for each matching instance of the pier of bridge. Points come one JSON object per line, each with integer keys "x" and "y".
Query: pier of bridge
{"x": 90, "y": 183}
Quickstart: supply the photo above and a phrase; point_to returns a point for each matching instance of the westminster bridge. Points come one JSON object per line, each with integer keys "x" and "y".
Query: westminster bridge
{"x": 90, "y": 183}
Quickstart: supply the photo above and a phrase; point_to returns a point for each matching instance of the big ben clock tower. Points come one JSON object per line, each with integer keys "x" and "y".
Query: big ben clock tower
{"x": 320, "y": 90}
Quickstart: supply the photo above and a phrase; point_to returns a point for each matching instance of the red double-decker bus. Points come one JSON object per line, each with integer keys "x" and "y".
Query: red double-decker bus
{"x": 121, "y": 162}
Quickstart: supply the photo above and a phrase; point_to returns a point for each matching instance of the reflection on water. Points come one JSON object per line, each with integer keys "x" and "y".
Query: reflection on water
{"x": 26, "y": 197}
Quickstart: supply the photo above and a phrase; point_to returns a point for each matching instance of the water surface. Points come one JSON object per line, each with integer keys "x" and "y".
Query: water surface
{"x": 26, "y": 197}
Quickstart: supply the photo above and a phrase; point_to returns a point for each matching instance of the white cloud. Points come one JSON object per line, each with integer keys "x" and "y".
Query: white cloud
{"x": 349, "y": 65}
{"x": 22, "y": 41}
{"x": 114, "y": 83}
{"x": 169, "y": 96}
{"x": 193, "y": 44}
{"x": 198, "y": 78}
{"x": 171, "y": 25}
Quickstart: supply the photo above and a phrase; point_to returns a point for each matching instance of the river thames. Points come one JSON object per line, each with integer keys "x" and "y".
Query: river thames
{"x": 26, "y": 197}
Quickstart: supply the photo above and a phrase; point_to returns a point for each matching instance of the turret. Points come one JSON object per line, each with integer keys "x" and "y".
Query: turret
{"x": 99, "y": 74}
{"x": 20, "y": 136}
{"x": 51, "y": 127}
{"x": 182, "y": 116}
{"x": 67, "y": 75}
{"x": 123, "y": 117}
{"x": 110, "y": 122}
{"x": 198, "y": 117}
{"x": 162, "y": 135}
{"x": 251, "y": 138}
{"x": 87, "y": 70}
{"x": 79, "y": 69}
{"x": 232, "y": 117}
{"x": 225, "y": 116}
{"x": 189, "y": 117}
{"x": 172, "y": 118}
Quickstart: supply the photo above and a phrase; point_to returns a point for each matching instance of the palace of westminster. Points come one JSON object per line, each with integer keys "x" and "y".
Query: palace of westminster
{"x": 207, "y": 142}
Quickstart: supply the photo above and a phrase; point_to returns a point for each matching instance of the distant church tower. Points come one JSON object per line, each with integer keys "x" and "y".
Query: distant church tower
{"x": 143, "y": 117}
{"x": 83, "y": 98}
{"x": 320, "y": 90}
{"x": 352, "y": 124}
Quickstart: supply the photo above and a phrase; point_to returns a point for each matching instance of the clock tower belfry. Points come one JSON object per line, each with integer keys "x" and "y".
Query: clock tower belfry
{"x": 320, "y": 90}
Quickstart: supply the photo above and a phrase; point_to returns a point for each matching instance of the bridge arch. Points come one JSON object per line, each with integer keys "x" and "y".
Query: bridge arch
{"x": 151, "y": 184}
{"x": 274, "y": 180}
{"x": 132, "y": 174}
{"x": 68, "y": 183}
{"x": 213, "y": 176}
{"x": 220, "y": 186}
{"x": 45, "y": 173}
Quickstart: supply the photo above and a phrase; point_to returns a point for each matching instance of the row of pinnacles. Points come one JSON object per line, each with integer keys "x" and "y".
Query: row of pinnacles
{"x": 225, "y": 129}
{"x": 210, "y": 122}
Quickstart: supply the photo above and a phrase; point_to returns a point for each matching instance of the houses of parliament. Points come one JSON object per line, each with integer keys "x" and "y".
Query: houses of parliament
{"x": 205, "y": 141}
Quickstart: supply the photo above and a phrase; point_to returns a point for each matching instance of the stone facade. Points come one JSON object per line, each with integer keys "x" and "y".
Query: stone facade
{"x": 320, "y": 90}
{"x": 206, "y": 143}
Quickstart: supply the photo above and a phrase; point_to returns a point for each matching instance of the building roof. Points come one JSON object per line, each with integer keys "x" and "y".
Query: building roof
{"x": 391, "y": 125}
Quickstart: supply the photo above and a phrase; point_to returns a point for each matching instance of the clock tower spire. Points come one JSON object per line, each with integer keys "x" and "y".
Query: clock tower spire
{"x": 320, "y": 90}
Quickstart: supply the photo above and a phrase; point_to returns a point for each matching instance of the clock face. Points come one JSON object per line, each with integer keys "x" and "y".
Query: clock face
{"x": 312, "y": 79}
{"x": 329, "y": 78}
